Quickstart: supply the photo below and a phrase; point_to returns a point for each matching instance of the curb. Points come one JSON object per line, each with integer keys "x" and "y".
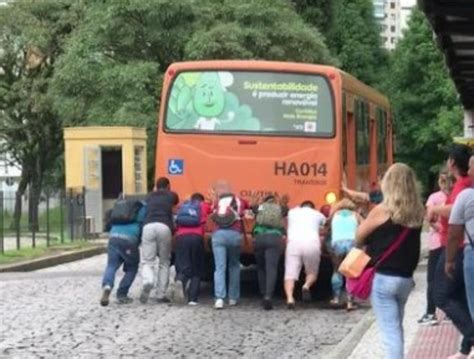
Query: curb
{"x": 345, "y": 347}
{"x": 51, "y": 261}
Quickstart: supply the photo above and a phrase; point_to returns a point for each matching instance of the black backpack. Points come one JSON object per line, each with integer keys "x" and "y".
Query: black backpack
{"x": 125, "y": 211}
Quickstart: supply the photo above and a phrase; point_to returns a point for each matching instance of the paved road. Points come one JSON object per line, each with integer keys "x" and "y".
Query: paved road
{"x": 54, "y": 313}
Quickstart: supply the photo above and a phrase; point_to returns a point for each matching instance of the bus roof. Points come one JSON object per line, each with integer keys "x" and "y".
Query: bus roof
{"x": 349, "y": 82}
{"x": 358, "y": 88}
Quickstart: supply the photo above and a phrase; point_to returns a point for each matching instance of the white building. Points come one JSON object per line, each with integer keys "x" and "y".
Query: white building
{"x": 392, "y": 16}
{"x": 10, "y": 173}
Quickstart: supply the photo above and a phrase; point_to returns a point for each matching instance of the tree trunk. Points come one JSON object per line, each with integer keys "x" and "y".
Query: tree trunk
{"x": 34, "y": 201}
{"x": 18, "y": 202}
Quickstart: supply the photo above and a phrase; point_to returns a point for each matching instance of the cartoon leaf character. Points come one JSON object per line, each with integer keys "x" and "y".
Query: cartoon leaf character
{"x": 191, "y": 78}
{"x": 181, "y": 95}
{"x": 208, "y": 99}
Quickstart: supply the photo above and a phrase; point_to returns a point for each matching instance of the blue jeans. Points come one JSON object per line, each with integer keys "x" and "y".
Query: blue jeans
{"x": 342, "y": 247}
{"x": 389, "y": 296}
{"x": 121, "y": 251}
{"x": 469, "y": 277}
{"x": 339, "y": 250}
{"x": 449, "y": 294}
{"x": 226, "y": 248}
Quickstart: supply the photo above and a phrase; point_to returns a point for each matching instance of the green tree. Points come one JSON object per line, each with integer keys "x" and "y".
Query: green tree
{"x": 319, "y": 13}
{"x": 31, "y": 38}
{"x": 355, "y": 41}
{"x": 112, "y": 68}
{"x": 253, "y": 29}
{"x": 427, "y": 111}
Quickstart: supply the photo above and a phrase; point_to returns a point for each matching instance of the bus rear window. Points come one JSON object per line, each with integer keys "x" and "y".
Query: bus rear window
{"x": 250, "y": 102}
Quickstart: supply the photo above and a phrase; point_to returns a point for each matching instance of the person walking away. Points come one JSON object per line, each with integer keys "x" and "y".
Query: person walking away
{"x": 400, "y": 213}
{"x": 461, "y": 226}
{"x": 268, "y": 233}
{"x": 449, "y": 292}
{"x": 434, "y": 243}
{"x": 156, "y": 239}
{"x": 303, "y": 248}
{"x": 226, "y": 242}
{"x": 344, "y": 223}
{"x": 124, "y": 226}
{"x": 191, "y": 225}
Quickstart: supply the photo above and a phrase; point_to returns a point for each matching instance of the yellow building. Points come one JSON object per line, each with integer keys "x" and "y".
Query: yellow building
{"x": 107, "y": 162}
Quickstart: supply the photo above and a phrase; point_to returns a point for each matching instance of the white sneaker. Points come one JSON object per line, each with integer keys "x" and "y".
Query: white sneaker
{"x": 193, "y": 303}
{"x": 232, "y": 302}
{"x": 457, "y": 356}
{"x": 219, "y": 304}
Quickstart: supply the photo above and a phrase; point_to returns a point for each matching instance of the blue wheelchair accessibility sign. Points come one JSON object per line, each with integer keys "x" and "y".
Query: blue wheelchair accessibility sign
{"x": 175, "y": 167}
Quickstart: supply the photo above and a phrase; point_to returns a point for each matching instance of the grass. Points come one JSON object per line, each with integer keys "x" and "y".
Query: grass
{"x": 54, "y": 221}
{"x": 12, "y": 256}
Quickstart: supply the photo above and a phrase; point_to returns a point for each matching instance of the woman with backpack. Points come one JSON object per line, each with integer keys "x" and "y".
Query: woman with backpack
{"x": 226, "y": 241}
{"x": 343, "y": 223}
{"x": 191, "y": 224}
{"x": 268, "y": 233}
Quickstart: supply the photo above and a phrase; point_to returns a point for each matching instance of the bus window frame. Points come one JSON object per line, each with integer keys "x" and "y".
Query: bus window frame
{"x": 344, "y": 136}
{"x": 333, "y": 135}
{"x": 382, "y": 125}
{"x": 362, "y": 119}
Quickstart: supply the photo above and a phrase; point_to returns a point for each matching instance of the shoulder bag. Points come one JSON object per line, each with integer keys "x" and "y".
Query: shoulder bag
{"x": 361, "y": 286}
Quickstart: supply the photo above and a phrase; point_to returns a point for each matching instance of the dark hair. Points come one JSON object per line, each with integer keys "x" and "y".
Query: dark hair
{"x": 270, "y": 197}
{"x": 460, "y": 154}
{"x": 309, "y": 204}
{"x": 162, "y": 183}
{"x": 197, "y": 197}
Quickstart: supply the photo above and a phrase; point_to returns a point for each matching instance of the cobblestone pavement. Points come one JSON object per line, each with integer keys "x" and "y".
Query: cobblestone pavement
{"x": 54, "y": 313}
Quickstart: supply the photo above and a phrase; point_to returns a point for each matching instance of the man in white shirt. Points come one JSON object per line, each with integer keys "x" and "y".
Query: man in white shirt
{"x": 303, "y": 248}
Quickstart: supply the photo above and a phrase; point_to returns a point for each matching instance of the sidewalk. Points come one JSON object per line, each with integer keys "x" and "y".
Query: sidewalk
{"x": 437, "y": 342}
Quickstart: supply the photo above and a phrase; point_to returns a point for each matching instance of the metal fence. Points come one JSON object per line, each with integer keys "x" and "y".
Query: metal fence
{"x": 60, "y": 218}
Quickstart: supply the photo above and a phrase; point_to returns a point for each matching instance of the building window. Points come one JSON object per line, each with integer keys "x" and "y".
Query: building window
{"x": 393, "y": 40}
{"x": 392, "y": 5}
{"x": 393, "y": 17}
{"x": 3, "y": 163}
{"x": 138, "y": 169}
{"x": 392, "y": 28}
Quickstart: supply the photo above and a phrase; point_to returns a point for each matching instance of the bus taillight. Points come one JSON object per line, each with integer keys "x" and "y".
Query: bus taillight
{"x": 330, "y": 198}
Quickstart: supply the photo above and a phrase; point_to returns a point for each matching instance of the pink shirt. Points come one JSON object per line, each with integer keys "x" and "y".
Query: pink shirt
{"x": 461, "y": 184}
{"x": 434, "y": 237}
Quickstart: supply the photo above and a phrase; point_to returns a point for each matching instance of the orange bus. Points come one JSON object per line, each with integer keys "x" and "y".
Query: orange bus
{"x": 271, "y": 128}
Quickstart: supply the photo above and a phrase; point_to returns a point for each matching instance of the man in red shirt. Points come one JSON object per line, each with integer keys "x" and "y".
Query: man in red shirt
{"x": 189, "y": 260}
{"x": 449, "y": 292}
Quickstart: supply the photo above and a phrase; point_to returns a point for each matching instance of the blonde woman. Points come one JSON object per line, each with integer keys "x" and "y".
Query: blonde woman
{"x": 344, "y": 222}
{"x": 401, "y": 208}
